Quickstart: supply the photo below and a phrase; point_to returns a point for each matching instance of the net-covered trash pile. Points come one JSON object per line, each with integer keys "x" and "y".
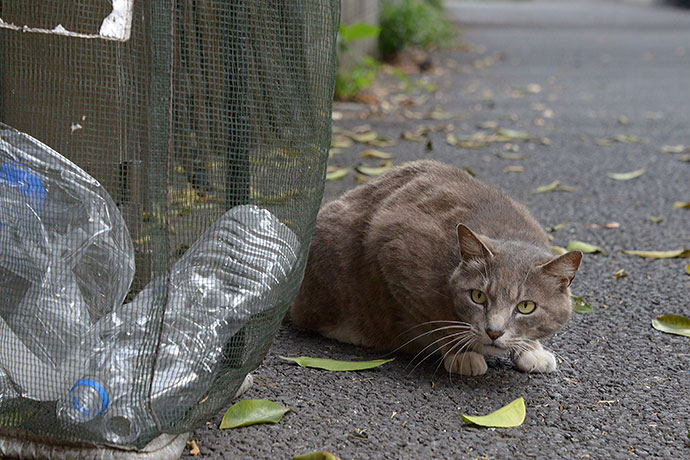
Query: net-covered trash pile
{"x": 147, "y": 266}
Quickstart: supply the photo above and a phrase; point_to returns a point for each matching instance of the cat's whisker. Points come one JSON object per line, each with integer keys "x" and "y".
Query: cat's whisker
{"x": 454, "y": 337}
{"x": 456, "y": 325}
{"x": 463, "y": 346}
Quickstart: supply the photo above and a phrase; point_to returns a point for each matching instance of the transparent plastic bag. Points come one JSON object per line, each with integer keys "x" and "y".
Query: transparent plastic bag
{"x": 66, "y": 260}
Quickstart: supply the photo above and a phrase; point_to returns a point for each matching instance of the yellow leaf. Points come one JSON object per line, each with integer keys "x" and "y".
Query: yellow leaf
{"x": 193, "y": 448}
{"x": 680, "y": 253}
{"x": 374, "y": 171}
{"x": 554, "y": 186}
{"x": 377, "y": 154}
{"x": 584, "y": 247}
{"x": 627, "y": 175}
{"x": 681, "y": 205}
{"x": 336, "y": 173}
{"x": 673, "y": 148}
{"x": 620, "y": 274}
{"x": 507, "y": 416}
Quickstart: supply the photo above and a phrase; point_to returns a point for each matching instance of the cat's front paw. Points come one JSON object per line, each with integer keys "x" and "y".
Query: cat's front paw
{"x": 468, "y": 363}
{"x": 538, "y": 360}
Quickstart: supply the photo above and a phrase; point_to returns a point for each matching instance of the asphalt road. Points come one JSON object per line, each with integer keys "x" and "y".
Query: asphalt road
{"x": 575, "y": 73}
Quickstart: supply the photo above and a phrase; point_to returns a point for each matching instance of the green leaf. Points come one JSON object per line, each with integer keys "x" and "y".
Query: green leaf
{"x": 507, "y": 416}
{"x": 251, "y": 412}
{"x": 512, "y": 156}
{"x": 680, "y": 253}
{"x": 376, "y": 154}
{"x": 554, "y": 186}
{"x": 627, "y": 175}
{"x": 673, "y": 148}
{"x": 558, "y": 251}
{"x": 335, "y": 173}
{"x": 672, "y": 324}
{"x": 513, "y": 134}
{"x": 358, "y": 31}
{"x": 335, "y": 365}
{"x": 374, "y": 171}
{"x": 620, "y": 273}
{"x": 580, "y": 306}
{"x": 584, "y": 247}
{"x": 321, "y": 455}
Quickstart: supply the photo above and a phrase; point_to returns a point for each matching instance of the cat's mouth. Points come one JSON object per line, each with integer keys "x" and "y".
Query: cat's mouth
{"x": 494, "y": 350}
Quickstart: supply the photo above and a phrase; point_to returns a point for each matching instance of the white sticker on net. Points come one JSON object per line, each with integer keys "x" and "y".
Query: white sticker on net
{"x": 116, "y": 26}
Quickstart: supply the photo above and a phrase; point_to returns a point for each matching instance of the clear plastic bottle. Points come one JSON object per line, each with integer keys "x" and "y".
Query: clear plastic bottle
{"x": 235, "y": 270}
{"x": 66, "y": 259}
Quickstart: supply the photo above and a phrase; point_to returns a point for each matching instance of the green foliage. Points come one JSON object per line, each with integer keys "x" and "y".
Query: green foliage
{"x": 348, "y": 83}
{"x": 353, "y": 32}
{"x": 407, "y": 23}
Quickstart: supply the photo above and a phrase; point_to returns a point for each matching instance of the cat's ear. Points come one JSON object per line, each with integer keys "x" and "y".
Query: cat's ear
{"x": 471, "y": 246}
{"x": 564, "y": 267}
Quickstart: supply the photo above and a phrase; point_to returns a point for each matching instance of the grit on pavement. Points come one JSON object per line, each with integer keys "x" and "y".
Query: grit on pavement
{"x": 602, "y": 87}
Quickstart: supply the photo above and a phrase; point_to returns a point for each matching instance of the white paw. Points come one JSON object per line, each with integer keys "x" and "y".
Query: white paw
{"x": 468, "y": 363}
{"x": 538, "y": 360}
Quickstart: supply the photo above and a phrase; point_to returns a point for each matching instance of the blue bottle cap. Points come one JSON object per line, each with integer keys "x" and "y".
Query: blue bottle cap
{"x": 85, "y": 411}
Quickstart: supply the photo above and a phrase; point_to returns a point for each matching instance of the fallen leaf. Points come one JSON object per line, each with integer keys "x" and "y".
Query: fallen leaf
{"x": 487, "y": 125}
{"x": 587, "y": 248}
{"x": 656, "y": 220}
{"x": 514, "y": 169}
{"x": 580, "y": 306}
{"x": 673, "y": 148}
{"x": 681, "y": 253}
{"x": 361, "y": 178}
{"x": 627, "y": 175}
{"x": 193, "y": 448}
{"x": 374, "y": 171}
{"x": 555, "y": 228}
{"x": 508, "y": 416}
{"x": 336, "y": 173}
{"x": 382, "y": 141}
{"x": 364, "y": 137}
{"x": 251, "y": 412}
{"x": 513, "y": 134}
{"x": 321, "y": 455}
{"x": 512, "y": 156}
{"x": 672, "y": 324}
{"x": 341, "y": 142}
{"x": 415, "y": 136}
{"x": 684, "y": 158}
{"x": 620, "y": 274}
{"x": 554, "y": 186}
{"x": 377, "y": 154}
{"x": 681, "y": 205}
{"x": 558, "y": 251}
{"x": 335, "y": 365}
{"x": 687, "y": 269}
{"x": 611, "y": 225}
{"x": 624, "y": 138}
{"x": 623, "y": 120}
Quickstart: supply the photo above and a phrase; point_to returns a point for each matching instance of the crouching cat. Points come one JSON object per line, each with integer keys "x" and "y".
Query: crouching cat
{"x": 426, "y": 258}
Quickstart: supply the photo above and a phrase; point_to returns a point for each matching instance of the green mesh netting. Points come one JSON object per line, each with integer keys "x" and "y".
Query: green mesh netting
{"x": 135, "y": 304}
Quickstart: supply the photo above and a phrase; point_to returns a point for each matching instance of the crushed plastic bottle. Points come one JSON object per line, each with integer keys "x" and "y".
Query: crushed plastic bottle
{"x": 66, "y": 260}
{"x": 234, "y": 271}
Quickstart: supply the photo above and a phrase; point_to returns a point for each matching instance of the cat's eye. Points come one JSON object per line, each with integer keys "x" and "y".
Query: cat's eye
{"x": 478, "y": 297}
{"x": 526, "y": 307}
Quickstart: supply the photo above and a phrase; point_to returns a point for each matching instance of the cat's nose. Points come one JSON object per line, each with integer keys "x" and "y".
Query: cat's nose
{"x": 493, "y": 334}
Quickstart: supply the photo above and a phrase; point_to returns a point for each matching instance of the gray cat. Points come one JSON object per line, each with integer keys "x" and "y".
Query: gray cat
{"x": 427, "y": 259}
